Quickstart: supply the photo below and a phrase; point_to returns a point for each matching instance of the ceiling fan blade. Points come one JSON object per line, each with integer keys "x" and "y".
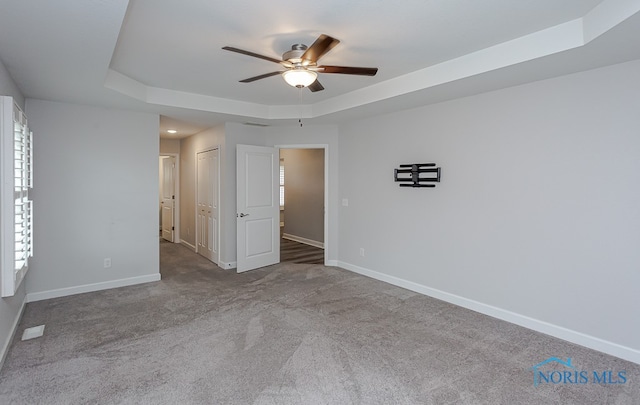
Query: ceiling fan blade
{"x": 348, "y": 70}
{"x": 315, "y": 86}
{"x": 255, "y": 55}
{"x": 323, "y": 44}
{"x": 253, "y": 79}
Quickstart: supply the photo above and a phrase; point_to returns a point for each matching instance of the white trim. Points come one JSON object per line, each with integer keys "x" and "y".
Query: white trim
{"x": 176, "y": 192}
{"x": 7, "y": 344}
{"x": 189, "y": 245}
{"x": 327, "y": 207}
{"x": 306, "y": 241}
{"x": 80, "y": 289}
{"x": 333, "y": 263}
{"x": 227, "y": 266}
{"x": 560, "y": 332}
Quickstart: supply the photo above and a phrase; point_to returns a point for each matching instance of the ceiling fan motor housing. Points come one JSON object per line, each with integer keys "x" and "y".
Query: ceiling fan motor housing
{"x": 295, "y": 54}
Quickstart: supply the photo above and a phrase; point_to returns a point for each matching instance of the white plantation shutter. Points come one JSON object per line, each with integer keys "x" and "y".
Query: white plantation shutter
{"x": 17, "y": 209}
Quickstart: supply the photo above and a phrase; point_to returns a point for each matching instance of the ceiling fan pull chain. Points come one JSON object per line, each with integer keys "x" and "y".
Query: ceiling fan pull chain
{"x": 300, "y": 106}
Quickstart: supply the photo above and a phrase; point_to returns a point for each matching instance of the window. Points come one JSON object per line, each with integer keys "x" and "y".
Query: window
{"x": 281, "y": 183}
{"x": 17, "y": 208}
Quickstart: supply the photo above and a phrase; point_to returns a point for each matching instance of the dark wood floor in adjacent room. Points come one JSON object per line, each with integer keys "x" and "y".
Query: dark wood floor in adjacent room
{"x": 296, "y": 252}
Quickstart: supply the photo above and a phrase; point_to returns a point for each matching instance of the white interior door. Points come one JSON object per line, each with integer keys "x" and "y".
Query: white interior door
{"x": 258, "y": 207}
{"x": 207, "y": 205}
{"x": 168, "y": 197}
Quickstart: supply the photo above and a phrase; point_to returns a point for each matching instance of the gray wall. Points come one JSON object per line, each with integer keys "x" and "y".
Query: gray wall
{"x": 169, "y": 145}
{"x": 189, "y": 147}
{"x": 234, "y": 134}
{"x": 304, "y": 193}
{"x": 537, "y": 212}
{"x": 10, "y": 307}
{"x": 9, "y": 88}
{"x": 95, "y": 196}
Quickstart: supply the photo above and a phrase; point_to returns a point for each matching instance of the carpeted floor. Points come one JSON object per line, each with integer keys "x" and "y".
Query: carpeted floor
{"x": 287, "y": 334}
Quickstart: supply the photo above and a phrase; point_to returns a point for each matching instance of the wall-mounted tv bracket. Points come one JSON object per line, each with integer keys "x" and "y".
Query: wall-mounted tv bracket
{"x": 414, "y": 174}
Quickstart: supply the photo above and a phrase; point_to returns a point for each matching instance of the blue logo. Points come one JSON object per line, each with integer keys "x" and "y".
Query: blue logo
{"x": 556, "y": 371}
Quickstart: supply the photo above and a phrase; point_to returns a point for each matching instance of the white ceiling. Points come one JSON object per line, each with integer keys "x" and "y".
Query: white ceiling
{"x": 165, "y": 56}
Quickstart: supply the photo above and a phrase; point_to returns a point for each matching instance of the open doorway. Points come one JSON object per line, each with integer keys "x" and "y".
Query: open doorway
{"x": 303, "y": 204}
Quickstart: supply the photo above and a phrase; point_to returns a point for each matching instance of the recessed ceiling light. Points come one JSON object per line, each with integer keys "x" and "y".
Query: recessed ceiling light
{"x": 171, "y": 131}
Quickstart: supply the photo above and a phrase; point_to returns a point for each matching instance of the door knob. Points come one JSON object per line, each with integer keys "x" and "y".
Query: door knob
{"x": 242, "y": 215}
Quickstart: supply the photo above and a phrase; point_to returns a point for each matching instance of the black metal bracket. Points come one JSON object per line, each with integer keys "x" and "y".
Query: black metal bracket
{"x": 412, "y": 174}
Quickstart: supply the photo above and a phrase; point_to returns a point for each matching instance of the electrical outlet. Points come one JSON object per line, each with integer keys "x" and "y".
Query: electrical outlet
{"x": 362, "y": 252}
{"x": 107, "y": 263}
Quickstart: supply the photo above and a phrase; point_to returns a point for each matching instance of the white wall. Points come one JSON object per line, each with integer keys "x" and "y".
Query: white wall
{"x": 537, "y": 212}
{"x": 95, "y": 196}
{"x": 10, "y": 308}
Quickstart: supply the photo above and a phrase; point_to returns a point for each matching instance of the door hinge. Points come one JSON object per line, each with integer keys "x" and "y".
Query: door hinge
{"x": 173, "y": 197}
{"x": 173, "y": 228}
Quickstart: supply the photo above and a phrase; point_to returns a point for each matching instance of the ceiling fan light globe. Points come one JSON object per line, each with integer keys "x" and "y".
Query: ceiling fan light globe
{"x": 299, "y": 77}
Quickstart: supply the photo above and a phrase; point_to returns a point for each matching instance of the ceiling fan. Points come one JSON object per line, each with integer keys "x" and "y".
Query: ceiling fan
{"x": 301, "y": 64}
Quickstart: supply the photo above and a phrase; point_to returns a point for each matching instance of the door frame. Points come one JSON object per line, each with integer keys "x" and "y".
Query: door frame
{"x": 326, "y": 187}
{"x": 218, "y": 200}
{"x": 176, "y": 191}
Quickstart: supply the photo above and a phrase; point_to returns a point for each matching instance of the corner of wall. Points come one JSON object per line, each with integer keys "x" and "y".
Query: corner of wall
{"x": 11, "y": 311}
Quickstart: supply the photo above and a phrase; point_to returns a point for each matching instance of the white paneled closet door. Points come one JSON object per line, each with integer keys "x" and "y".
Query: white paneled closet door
{"x": 207, "y": 205}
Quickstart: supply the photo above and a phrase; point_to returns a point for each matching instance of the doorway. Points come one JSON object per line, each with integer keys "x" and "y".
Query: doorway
{"x": 303, "y": 202}
{"x": 169, "y": 197}
{"x": 258, "y": 233}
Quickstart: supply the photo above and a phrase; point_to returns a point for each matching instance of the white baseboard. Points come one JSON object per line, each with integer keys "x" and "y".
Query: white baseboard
{"x": 227, "y": 266}
{"x": 63, "y": 292}
{"x": 333, "y": 263}
{"x": 560, "y": 332}
{"x": 187, "y": 244}
{"x": 306, "y": 241}
{"x": 14, "y": 328}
